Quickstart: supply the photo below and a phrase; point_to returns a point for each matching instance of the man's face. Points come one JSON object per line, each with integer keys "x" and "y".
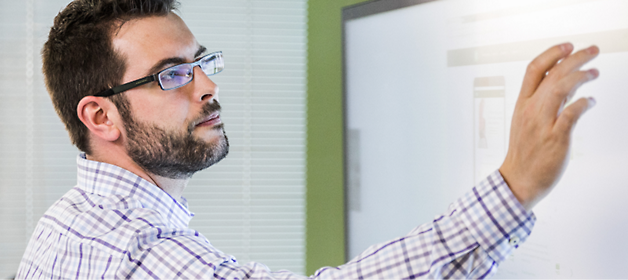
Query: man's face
{"x": 171, "y": 133}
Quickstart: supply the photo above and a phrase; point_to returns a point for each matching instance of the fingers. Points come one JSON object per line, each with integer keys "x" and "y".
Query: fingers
{"x": 564, "y": 79}
{"x": 568, "y": 118}
{"x": 540, "y": 65}
{"x": 566, "y": 88}
{"x": 573, "y": 62}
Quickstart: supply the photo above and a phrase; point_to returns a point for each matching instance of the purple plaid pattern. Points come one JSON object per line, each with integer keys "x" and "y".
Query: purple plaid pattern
{"x": 114, "y": 224}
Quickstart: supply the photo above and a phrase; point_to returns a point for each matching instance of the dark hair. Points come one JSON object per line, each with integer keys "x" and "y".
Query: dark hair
{"x": 79, "y": 59}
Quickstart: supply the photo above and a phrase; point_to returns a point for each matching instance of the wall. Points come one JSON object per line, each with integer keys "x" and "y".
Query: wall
{"x": 325, "y": 195}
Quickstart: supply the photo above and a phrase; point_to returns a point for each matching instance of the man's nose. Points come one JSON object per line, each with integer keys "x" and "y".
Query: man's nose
{"x": 204, "y": 88}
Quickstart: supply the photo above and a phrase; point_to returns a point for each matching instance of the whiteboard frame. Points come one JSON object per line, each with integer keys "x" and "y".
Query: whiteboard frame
{"x": 351, "y": 12}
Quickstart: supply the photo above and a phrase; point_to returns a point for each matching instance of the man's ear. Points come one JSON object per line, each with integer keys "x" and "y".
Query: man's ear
{"x": 97, "y": 113}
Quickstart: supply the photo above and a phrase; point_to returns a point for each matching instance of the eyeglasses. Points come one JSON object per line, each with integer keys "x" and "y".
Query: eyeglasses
{"x": 175, "y": 76}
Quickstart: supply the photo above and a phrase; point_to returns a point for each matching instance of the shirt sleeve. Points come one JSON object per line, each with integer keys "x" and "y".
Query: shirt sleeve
{"x": 477, "y": 233}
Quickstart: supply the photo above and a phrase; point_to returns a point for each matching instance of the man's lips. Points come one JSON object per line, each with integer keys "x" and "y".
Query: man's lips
{"x": 211, "y": 120}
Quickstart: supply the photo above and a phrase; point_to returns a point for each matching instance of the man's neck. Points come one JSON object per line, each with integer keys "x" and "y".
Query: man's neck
{"x": 174, "y": 187}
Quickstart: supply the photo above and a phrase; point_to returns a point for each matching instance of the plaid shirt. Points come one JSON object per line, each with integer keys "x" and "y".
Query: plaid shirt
{"x": 114, "y": 224}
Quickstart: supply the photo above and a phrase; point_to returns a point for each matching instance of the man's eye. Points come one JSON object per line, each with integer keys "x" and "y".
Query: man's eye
{"x": 175, "y": 73}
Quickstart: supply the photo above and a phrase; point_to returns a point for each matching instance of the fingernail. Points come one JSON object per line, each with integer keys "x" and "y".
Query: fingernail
{"x": 592, "y": 102}
{"x": 566, "y": 47}
{"x": 593, "y": 73}
{"x": 593, "y": 50}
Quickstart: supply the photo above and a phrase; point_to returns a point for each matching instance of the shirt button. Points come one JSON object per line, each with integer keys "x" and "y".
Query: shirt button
{"x": 514, "y": 241}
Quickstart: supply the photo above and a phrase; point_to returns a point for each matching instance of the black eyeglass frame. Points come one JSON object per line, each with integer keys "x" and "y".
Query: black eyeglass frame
{"x": 155, "y": 77}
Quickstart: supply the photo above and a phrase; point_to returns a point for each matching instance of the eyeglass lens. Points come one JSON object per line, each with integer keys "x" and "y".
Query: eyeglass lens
{"x": 182, "y": 74}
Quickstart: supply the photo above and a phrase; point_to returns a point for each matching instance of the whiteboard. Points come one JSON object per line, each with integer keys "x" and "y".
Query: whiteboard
{"x": 430, "y": 88}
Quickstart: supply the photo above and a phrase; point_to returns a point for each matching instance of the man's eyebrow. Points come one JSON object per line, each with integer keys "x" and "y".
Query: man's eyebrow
{"x": 201, "y": 50}
{"x": 162, "y": 63}
{"x": 173, "y": 61}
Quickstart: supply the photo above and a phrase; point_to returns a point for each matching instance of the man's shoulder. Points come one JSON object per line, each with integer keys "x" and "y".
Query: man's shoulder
{"x": 115, "y": 231}
{"x": 108, "y": 220}
{"x": 77, "y": 203}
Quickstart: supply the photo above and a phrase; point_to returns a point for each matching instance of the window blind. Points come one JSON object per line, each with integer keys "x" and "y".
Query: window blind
{"x": 250, "y": 205}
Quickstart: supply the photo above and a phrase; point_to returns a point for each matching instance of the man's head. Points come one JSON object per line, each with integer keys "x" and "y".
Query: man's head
{"x": 79, "y": 59}
{"x": 96, "y": 45}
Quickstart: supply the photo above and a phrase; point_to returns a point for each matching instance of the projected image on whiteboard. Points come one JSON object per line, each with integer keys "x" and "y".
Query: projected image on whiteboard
{"x": 489, "y": 121}
{"x": 575, "y": 235}
{"x": 434, "y": 119}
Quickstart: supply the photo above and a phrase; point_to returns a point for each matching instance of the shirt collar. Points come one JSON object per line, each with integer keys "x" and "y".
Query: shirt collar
{"x": 106, "y": 180}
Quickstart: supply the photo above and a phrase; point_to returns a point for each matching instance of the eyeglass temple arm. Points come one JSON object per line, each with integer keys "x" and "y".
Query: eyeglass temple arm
{"x": 127, "y": 86}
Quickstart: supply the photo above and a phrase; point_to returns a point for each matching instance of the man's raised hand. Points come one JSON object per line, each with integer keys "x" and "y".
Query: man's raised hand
{"x": 541, "y": 128}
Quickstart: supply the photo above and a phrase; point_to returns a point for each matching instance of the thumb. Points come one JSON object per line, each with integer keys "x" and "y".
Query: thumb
{"x": 570, "y": 115}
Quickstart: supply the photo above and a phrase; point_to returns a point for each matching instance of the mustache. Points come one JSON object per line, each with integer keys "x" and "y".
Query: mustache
{"x": 208, "y": 109}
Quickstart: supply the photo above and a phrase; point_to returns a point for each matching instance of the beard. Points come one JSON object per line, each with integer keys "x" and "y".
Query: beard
{"x": 173, "y": 154}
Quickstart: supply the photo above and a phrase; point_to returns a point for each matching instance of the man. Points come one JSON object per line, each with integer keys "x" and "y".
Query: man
{"x": 123, "y": 78}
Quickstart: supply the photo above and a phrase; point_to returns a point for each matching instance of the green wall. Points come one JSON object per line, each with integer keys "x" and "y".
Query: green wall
{"x": 325, "y": 195}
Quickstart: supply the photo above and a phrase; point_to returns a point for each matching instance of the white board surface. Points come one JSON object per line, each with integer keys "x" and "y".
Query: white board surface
{"x": 430, "y": 91}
